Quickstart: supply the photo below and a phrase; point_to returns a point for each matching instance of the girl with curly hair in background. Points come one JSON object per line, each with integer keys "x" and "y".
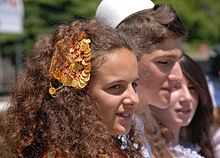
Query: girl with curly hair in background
{"x": 76, "y": 95}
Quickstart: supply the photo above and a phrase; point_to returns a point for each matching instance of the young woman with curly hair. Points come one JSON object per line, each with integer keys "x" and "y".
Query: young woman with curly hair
{"x": 186, "y": 123}
{"x": 76, "y": 95}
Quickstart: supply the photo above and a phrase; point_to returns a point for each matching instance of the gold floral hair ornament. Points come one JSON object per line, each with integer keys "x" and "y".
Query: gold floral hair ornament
{"x": 71, "y": 63}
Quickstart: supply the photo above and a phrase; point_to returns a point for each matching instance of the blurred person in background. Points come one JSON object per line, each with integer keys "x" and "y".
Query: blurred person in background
{"x": 214, "y": 87}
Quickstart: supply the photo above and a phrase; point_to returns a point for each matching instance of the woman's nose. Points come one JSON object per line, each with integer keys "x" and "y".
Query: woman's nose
{"x": 131, "y": 97}
{"x": 186, "y": 95}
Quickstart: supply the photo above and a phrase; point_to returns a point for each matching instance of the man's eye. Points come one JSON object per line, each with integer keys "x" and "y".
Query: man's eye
{"x": 166, "y": 62}
{"x": 162, "y": 62}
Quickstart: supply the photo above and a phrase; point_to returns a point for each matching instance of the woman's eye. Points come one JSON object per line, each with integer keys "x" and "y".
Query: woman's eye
{"x": 192, "y": 89}
{"x": 134, "y": 85}
{"x": 116, "y": 89}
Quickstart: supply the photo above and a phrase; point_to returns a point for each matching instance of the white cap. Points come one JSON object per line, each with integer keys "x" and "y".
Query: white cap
{"x": 112, "y": 12}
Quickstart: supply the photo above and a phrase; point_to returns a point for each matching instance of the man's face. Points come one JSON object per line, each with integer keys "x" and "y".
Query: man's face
{"x": 155, "y": 74}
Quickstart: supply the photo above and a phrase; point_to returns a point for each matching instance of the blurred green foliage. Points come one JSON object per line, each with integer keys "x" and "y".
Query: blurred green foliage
{"x": 41, "y": 17}
{"x": 201, "y": 18}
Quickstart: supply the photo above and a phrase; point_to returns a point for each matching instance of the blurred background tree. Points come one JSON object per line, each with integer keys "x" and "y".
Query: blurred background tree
{"x": 201, "y": 18}
{"x": 40, "y": 18}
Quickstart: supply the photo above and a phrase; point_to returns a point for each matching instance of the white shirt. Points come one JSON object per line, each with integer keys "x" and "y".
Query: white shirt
{"x": 216, "y": 143}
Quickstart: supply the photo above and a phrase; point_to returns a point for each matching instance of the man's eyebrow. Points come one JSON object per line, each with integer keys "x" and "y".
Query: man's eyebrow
{"x": 169, "y": 56}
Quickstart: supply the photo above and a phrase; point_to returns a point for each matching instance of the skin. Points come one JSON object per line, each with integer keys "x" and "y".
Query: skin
{"x": 114, "y": 90}
{"x": 155, "y": 74}
{"x": 183, "y": 105}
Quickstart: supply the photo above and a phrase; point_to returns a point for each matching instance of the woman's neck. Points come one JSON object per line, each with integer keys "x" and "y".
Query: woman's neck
{"x": 175, "y": 132}
{"x": 171, "y": 133}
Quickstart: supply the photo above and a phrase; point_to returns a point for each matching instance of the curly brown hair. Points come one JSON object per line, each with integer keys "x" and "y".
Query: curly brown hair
{"x": 66, "y": 124}
{"x": 6, "y": 140}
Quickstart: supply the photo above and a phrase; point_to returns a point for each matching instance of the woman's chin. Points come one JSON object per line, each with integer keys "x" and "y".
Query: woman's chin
{"x": 121, "y": 130}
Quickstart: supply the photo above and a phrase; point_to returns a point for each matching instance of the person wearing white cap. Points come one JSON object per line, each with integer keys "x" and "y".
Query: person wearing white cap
{"x": 155, "y": 33}
{"x": 112, "y": 12}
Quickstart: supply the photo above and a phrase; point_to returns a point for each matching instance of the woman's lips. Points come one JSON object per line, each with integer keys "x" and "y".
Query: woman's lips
{"x": 167, "y": 89}
{"x": 124, "y": 114}
{"x": 184, "y": 112}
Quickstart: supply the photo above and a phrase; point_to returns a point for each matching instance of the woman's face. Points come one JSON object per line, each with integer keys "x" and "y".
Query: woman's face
{"x": 183, "y": 104}
{"x": 113, "y": 89}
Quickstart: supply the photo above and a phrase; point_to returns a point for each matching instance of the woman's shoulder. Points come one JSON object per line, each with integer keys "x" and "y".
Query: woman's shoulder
{"x": 216, "y": 136}
{"x": 216, "y": 140}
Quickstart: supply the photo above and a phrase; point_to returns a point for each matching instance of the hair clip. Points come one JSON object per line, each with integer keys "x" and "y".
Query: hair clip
{"x": 71, "y": 63}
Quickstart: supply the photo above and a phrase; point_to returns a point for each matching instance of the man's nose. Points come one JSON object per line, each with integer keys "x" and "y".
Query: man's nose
{"x": 175, "y": 76}
{"x": 174, "y": 82}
